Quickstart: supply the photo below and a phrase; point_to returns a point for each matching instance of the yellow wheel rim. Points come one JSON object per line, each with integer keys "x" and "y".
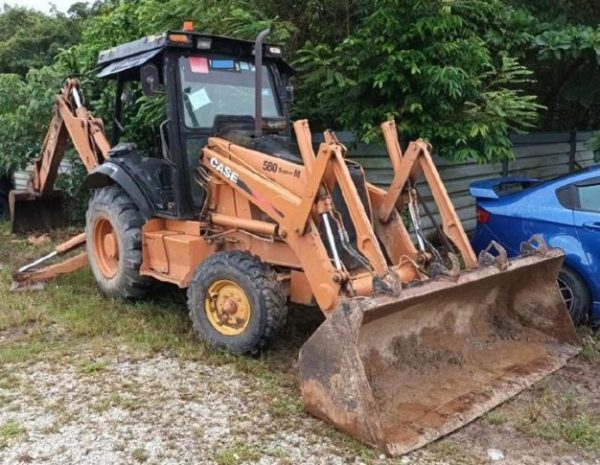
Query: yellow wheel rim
{"x": 227, "y": 307}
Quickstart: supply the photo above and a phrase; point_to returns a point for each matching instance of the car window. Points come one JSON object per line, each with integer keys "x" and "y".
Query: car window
{"x": 589, "y": 197}
{"x": 566, "y": 198}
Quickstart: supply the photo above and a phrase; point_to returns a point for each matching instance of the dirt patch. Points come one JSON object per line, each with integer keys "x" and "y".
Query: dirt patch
{"x": 410, "y": 355}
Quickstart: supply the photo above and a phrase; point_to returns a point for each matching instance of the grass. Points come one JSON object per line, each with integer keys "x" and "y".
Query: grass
{"x": 276, "y": 386}
{"x": 10, "y": 430}
{"x": 70, "y": 313}
{"x": 117, "y": 400}
{"x": 236, "y": 453}
{"x": 445, "y": 450}
{"x": 584, "y": 431}
{"x": 24, "y": 351}
{"x": 73, "y": 303}
{"x": 495, "y": 418}
{"x": 62, "y": 417}
{"x": 9, "y": 380}
{"x": 92, "y": 368}
{"x": 281, "y": 455}
{"x": 71, "y": 318}
{"x": 591, "y": 347}
{"x": 140, "y": 455}
{"x": 557, "y": 413}
{"x": 71, "y": 310}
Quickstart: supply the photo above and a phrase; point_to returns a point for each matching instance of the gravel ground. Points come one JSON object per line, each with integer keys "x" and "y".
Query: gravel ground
{"x": 163, "y": 410}
{"x": 155, "y": 410}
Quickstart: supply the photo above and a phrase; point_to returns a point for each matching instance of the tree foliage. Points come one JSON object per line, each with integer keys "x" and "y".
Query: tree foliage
{"x": 30, "y": 42}
{"x": 462, "y": 73}
{"x": 25, "y": 114}
{"x": 30, "y": 39}
{"x": 429, "y": 65}
{"x": 564, "y": 54}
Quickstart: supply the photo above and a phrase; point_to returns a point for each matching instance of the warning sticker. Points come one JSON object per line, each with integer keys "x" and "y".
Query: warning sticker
{"x": 199, "y": 65}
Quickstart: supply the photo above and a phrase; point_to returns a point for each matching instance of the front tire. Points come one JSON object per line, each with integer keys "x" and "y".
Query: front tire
{"x": 236, "y": 302}
{"x": 575, "y": 294}
{"x": 114, "y": 243}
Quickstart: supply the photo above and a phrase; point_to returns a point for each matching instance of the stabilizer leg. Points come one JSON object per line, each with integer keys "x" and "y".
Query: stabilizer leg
{"x": 28, "y": 275}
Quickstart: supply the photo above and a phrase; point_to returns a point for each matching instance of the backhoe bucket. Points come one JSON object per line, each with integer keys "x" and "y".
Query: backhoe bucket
{"x": 31, "y": 212}
{"x": 400, "y": 372}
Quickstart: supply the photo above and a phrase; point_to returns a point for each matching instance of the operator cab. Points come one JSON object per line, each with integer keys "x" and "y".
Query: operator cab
{"x": 195, "y": 86}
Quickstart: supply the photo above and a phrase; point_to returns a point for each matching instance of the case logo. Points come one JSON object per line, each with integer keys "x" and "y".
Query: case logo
{"x": 224, "y": 170}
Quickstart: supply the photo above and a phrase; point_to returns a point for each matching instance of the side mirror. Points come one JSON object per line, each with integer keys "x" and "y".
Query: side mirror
{"x": 289, "y": 94}
{"x": 126, "y": 97}
{"x": 150, "y": 80}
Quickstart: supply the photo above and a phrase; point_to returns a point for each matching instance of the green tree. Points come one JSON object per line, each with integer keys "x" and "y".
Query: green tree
{"x": 457, "y": 72}
{"x": 30, "y": 39}
{"x": 429, "y": 65}
{"x": 25, "y": 114}
{"x": 563, "y": 52}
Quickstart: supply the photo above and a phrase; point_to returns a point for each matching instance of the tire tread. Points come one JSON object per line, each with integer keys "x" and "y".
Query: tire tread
{"x": 130, "y": 285}
{"x": 266, "y": 282}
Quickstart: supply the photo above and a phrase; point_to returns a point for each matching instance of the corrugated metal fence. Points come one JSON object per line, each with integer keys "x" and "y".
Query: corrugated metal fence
{"x": 543, "y": 155}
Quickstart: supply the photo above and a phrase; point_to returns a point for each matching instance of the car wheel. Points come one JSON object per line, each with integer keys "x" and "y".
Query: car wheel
{"x": 575, "y": 294}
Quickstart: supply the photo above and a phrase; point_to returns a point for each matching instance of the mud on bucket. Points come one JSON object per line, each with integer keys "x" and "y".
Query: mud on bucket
{"x": 398, "y": 373}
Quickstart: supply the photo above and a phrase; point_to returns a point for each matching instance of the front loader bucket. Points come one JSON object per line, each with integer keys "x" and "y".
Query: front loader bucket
{"x": 400, "y": 372}
{"x": 30, "y": 212}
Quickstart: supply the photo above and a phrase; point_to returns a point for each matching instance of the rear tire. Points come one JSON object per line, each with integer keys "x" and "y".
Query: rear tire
{"x": 236, "y": 302}
{"x": 575, "y": 294}
{"x": 114, "y": 246}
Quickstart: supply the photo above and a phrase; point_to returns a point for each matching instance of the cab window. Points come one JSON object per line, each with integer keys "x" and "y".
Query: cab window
{"x": 213, "y": 86}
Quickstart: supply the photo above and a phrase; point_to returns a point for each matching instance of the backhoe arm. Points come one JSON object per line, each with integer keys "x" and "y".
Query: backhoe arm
{"x": 39, "y": 207}
{"x": 70, "y": 119}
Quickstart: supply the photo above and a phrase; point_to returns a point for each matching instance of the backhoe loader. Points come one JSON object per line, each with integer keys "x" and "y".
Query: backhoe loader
{"x": 415, "y": 343}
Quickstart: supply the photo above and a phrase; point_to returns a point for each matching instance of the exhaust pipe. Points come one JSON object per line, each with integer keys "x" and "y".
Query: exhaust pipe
{"x": 258, "y": 54}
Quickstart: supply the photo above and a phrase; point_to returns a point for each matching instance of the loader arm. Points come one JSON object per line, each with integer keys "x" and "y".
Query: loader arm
{"x": 298, "y": 216}
{"x": 409, "y": 166}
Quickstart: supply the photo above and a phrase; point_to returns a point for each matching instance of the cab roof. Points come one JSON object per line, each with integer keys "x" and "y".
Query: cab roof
{"x": 134, "y": 54}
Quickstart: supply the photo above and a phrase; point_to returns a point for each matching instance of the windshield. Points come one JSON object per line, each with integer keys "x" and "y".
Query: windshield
{"x": 222, "y": 86}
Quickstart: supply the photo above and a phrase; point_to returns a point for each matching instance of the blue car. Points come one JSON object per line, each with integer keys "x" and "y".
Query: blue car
{"x": 565, "y": 211}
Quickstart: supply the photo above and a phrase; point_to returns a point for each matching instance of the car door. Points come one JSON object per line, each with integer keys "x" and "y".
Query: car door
{"x": 586, "y": 218}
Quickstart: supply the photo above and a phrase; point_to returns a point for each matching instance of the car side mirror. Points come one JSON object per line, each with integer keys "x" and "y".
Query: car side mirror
{"x": 150, "y": 80}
